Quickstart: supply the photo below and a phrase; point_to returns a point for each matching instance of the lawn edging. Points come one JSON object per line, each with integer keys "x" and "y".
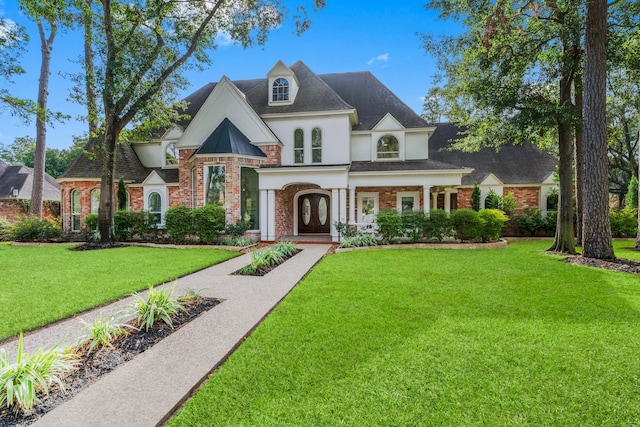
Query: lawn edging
{"x": 498, "y": 244}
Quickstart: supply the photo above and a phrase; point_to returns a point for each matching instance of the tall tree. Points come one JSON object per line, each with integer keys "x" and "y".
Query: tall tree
{"x": 13, "y": 39}
{"x": 596, "y": 234}
{"x": 23, "y": 149}
{"x": 511, "y": 76}
{"x": 140, "y": 50}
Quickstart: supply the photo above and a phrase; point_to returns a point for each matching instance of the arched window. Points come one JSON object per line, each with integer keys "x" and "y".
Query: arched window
{"x": 316, "y": 145}
{"x": 75, "y": 210}
{"x": 155, "y": 206}
{"x": 95, "y": 201}
{"x": 388, "y": 147}
{"x": 280, "y": 90}
{"x": 298, "y": 146}
{"x": 171, "y": 155}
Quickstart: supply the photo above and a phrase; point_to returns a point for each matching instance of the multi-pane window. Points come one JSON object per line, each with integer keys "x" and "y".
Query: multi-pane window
{"x": 298, "y": 146}
{"x": 171, "y": 155}
{"x": 250, "y": 197}
{"x": 95, "y": 201}
{"x": 280, "y": 90}
{"x": 75, "y": 210}
{"x": 388, "y": 147}
{"x": 408, "y": 201}
{"x": 316, "y": 145}
{"x": 215, "y": 183}
{"x": 155, "y": 206}
{"x": 368, "y": 207}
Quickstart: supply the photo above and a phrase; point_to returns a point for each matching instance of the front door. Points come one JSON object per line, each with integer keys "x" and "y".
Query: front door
{"x": 313, "y": 213}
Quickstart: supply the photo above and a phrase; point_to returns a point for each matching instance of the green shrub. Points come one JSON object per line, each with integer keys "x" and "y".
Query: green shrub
{"x": 285, "y": 248}
{"x": 208, "y": 222}
{"x": 20, "y": 382}
{"x": 238, "y": 229}
{"x": 363, "y": 239}
{"x": 508, "y": 204}
{"x": 237, "y": 241}
{"x": 33, "y": 228}
{"x": 101, "y": 332}
{"x": 389, "y": 225}
{"x": 131, "y": 223}
{"x": 492, "y": 201}
{"x": 5, "y": 229}
{"x": 476, "y": 194}
{"x": 159, "y": 305}
{"x": 529, "y": 222}
{"x": 178, "y": 223}
{"x": 494, "y": 220}
{"x": 90, "y": 223}
{"x": 413, "y": 224}
{"x": 552, "y": 200}
{"x": 624, "y": 222}
{"x": 438, "y": 225}
{"x": 549, "y": 222}
{"x": 467, "y": 224}
{"x": 631, "y": 200}
{"x": 346, "y": 230}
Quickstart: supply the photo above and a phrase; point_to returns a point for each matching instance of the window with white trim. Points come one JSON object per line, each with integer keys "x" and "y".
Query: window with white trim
{"x": 298, "y": 146}
{"x": 75, "y": 211}
{"x": 408, "y": 201}
{"x": 388, "y": 147}
{"x": 155, "y": 206}
{"x": 95, "y": 201}
{"x": 367, "y": 207}
{"x": 316, "y": 145}
{"x": 280, "y": 90}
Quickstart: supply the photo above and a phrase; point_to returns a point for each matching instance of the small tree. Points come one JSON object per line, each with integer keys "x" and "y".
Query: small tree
{"x": 492, "y": 201}
{"x": 632, "y": 194}
{"x": 122, "y": 195}
{"x": 475, "y": 197}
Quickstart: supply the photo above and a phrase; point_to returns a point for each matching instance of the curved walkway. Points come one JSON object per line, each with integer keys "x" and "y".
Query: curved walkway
{"x": 146, "y": 390}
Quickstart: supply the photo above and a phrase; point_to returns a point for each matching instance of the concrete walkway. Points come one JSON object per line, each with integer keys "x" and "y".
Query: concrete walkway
{"x": 146, "y": 390}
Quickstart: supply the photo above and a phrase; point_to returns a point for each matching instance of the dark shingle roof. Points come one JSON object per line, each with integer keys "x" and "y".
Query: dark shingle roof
{"x": 521, "y": 164}
{"x": 408, "y": 165}
{"x": 21, "y": 177}
{"x": 228, "y": 139}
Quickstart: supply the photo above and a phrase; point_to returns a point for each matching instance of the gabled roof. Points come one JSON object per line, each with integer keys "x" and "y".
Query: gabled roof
{"x": 511, "y": 164}
{"x": 21, "y": 178}
{"x": 228, "y": 139}
{"x": 128, "y": 166}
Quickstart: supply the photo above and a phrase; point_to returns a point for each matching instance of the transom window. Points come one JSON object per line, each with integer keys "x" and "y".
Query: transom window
{"x": 388, "y": 147}
{"x": 95, "y": 201}
{"x": 298, "y": 146}
{"x": 75, "y": 210}
{"x": 171, "y": 155}
{"x": 316, "y": 145}
{"x": 155, "y": 206}
{"x": 280, "y": 90}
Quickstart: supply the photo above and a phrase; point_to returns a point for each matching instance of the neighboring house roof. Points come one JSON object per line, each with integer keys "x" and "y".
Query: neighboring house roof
{"x": 407, "y": 165}
{"x": 21, "y": 178}
{"x": 128, "y": 166}
{"x": 228, "y": 139}
{"x": 511, "y": 164}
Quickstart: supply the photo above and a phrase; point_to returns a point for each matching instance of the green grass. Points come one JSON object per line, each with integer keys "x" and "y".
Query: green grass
{"x": 438, "y": 337}
{"x": 41, "y": 284}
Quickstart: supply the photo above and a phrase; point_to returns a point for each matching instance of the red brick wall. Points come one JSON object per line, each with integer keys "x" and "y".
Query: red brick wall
{"x": 284, "y": 208}
{"x": 10, "y": 208}
{"x": 274, "y": 154}
{"x": 388, "y": 196}
{"x": 464, "y": 198}
{"x": 525, "y": 197}
{"x": 184, "y": 175}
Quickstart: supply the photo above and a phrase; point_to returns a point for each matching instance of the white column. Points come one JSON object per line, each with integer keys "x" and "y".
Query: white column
{"x": 264, "y": 220}
{"x": 343, "y": 205}
{"x": 352, "y": 205}
{"x": 271, "y": 214}
{"x": 434, "y": 200}
{"x": 427, "y": 206}
{"x": 447, "y": 199}
{"x": 335, "y": 213}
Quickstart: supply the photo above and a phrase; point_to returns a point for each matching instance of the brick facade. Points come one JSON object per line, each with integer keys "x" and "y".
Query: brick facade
{"x": 11, "y": 208}
{"x": 285, "y": 208}
{"x": 273, "y": 152}
{"x": 525, "y": 197}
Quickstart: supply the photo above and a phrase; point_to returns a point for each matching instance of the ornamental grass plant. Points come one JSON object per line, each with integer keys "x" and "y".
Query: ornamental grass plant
{"x": 159, "y": 305}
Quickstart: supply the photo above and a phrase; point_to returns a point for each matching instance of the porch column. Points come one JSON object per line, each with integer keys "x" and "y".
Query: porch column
{"x": 271, "y": 213}
{"x": 352, "y": 205}
{"x": 434, "y": 200}
{"x": 343, "y": 205}
{"x": 426, "y": 191}
{"x": 447, "y": 199}
{"x": 264, "y": 220}
{"x": 335, "y": 213}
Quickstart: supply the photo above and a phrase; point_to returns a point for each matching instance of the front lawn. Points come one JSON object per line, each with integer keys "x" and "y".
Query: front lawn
{"x": 438, "y": 337}
{"x": 42, "y": 284}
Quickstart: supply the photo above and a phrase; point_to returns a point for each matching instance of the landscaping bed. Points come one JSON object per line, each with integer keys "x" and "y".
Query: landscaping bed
{"x": 94, "y": 365}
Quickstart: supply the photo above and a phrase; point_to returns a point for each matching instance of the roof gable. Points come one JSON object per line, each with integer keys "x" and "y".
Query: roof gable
{"x": 387, "y": 123}
{"x": 228, "y": 139}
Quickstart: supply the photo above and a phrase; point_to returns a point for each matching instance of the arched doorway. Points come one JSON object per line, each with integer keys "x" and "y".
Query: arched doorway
{"x": 314, "y": 213}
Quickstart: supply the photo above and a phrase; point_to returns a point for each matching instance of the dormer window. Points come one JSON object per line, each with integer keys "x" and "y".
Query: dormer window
{"x": 388, "y": 147}
{"x": 171, "y": 155}
{"x": 280, "y": 90}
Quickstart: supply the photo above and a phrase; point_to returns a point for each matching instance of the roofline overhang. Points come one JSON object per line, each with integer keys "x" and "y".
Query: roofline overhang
{"x": 429, "y": 129}
{"x": 244, "y": 156}
{"x": 460, "y": 172}
{"x": 281, "y": 169}
{"x": 353, "y": 113}
{"x": 539, "y": 184}
{"x": 61, "y": 180}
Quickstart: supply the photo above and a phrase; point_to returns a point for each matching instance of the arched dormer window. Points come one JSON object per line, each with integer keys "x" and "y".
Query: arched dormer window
{"x": 280, "y": 90}
{"x": 316, "y": 145}
{"x": 298, "y": 146}
{"x": 388, "y": 147}
{"x": 171, "y": 155}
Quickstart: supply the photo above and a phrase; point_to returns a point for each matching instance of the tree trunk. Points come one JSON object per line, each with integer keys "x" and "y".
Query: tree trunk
{"x": 105, "y": 210}
{"x": 89, "y": 69}
{"x": 37, "y": 189}
{"x": 565, "y": 239}
{"x": 638, "y": 235}
{"x": 596, "y": 233}
{"x": 579, "y": 162}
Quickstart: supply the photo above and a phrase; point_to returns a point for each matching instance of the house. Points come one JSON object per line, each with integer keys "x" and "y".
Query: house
{"x": 296, "y": 152}
{"x": 15, "y": 192}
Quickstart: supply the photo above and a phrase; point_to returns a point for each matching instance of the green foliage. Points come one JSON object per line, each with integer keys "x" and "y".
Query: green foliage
{"x": 412, "y": 223}
{"x": 101, "y": 332}
{"x": 191, "y": 295}
{"x": 237, "y": 241}
{"x": 20, "y": 382}
{"x": 508, "y": 204}
{"x": 208, "y": 222}
{"x": 624, "y": 222}
{"x": 552, "y": 200}
{"x": 494, "y": 220}
{"x": 492, "y": 201}
{"x": 132, "y": 223}
{"x": 178, "y": 223}
{"x": 34, "y": 229}
{"x": 90, "y": 223}
{"x": 531, "y": 222}
{"x": 467, "y": 224}
{"x": 159, "y": 305}
{"x": 238, "y": 229}
{"x": 269, "y": 257}
{"x": 360, "y": 240}
{"x": 632, "y": 194}
{"x": 345, "y": 230}
{"x": 285, "y": 248}
{"x": 475, "y": 197}
{"x": 5, "y": 229}
{"x": 22, "y": 152}
{"x": 438, "y": 225}
{"x": 389, "y": 225}
{"x": 122, "y": 195}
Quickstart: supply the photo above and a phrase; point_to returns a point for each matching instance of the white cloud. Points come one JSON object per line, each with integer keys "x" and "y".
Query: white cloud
{"x": 224, "y": 39}
{"x": 383, "y": 57}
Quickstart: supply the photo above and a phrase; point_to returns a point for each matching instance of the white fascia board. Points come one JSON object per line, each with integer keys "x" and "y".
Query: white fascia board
{"x": 61, "y": 180}
{"x": 325, "y": 177}
{"x": 429, "y": 130}
{"x": 153, "y": 179}
{"x": 461, "y": 172}
{"x": 303, "y": 169}
{"x": 415, "y": 179}
{"x": 307, "y": 114}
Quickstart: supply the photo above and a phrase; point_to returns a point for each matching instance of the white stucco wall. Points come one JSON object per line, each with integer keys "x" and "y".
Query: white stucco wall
{"x": 150, "y": 154}
{"x": 416, "y": 146}
{"x": 361, "y": 147}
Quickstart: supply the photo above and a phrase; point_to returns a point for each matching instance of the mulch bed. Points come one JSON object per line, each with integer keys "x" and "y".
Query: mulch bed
{"x": 104, "y": 360}
{"x": 263, "y": 271}
{"x": 90, "y": 246}
{"x": 618, "y": 264}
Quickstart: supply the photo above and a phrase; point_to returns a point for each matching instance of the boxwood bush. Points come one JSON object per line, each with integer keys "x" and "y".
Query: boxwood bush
{"x": 178, "y": 223}
{"x": 494, "y": 220}
{"x": 32, "y": 228}
{"x": 467, "y": 224}
{"x": 624, "y": 222}
{"x": 208, "y": 222}
{"x": 438, "y": 225}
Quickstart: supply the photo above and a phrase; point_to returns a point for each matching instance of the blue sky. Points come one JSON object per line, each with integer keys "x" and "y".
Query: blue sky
{"x": 347, "y": 35}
